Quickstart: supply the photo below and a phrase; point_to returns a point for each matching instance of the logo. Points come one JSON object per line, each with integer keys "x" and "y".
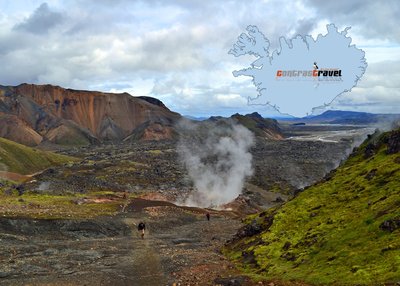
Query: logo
{"x": 323, "y": 74}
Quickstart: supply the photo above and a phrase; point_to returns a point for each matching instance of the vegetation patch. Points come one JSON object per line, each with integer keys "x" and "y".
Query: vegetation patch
{"x": 344, "y": 230}
{"x": 21, "y": 159}
{"x": 66, "y": 206}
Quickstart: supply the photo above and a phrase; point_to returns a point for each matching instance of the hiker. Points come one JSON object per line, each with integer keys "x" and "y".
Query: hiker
{"x": 141, "y": 227}
{"x": 208, "y": 216}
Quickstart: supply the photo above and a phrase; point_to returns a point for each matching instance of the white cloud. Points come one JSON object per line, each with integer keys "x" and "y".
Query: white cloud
{"x": 378, "y": 91}
{"x": 175, "y": 50}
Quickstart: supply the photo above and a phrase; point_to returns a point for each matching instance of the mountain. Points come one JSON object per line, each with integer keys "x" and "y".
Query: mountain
{"x": 36, "y": 113}
{"x": 195, "y": 118}
{"x": 347, "y": 117}
{"x": 352, "y": 117}
{"x": 17, "y": 158}
{"x": 343, "y": 230}
{"x": 261, "y": 127}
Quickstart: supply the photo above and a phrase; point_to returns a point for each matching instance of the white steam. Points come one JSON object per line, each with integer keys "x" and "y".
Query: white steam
{"x": 217, "y": 158}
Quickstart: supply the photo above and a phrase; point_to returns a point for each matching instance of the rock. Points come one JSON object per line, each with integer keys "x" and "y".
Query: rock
{"x": 289, "y": 256}
{"x": 4, "y": 274}
{"x": 390, "y": 225}
{"x": 20, "y": 189}
{"x": 78, "y": 201}
{"x": 254, "y": 228}
{"x": 370, "y": 150}
{"x": 286, "y": 246}
{"x": 393, "y": 142}
{"x": 371, "y": 174}
{"x": 331, "y": 258}
{"x": 8, "y": 192}
{"x": 238, "y": 281}
{"x": 248, "y": 257}
{"x": 249, "y": 230}
{"x": 50, "y": 251}
{"x": 184, "y": 240}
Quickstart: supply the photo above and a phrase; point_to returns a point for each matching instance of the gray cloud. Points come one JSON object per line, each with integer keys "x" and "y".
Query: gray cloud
{"x": 376, "y": 19}
{"x": 305, "y": 26}
{"x": 41, "y": 21}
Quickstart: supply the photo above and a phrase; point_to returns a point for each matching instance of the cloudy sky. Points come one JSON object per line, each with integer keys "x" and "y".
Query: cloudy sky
{"x": 177, "y": 50}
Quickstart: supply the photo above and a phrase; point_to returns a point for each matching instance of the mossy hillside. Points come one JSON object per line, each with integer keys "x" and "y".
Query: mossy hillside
{"x": 331, "y": 234}
{"x": 25, "y": 160}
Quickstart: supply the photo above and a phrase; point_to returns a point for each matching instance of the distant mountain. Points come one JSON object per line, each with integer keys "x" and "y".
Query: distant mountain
{"x": 195, "y": 118}
{"x": 261, "y": 127}
{"x": 347, "y": 117}
{"x": 352, "y": 117}
{"x": 264, "y": 128}
{"x": 31, "y": 114}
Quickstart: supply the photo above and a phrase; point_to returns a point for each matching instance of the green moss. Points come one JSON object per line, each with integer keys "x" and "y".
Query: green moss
{"x": 73, "y": 140}
{"x": 155, "y": 152}
{"x": 25, "y": 160}
{"x": 48, "y": 206}
{"x": 330, "y": 234}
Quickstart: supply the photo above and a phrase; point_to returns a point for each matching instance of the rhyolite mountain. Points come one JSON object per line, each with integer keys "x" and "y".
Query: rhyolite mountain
{"x": 31, "y": 114}
{"x": 36, "y": 114}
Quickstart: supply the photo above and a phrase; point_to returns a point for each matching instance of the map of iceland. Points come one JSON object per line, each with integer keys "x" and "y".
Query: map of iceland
{"x": 304, "y": 73}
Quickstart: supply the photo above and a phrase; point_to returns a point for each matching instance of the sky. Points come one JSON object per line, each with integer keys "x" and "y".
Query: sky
{"x": 177, "y": 50}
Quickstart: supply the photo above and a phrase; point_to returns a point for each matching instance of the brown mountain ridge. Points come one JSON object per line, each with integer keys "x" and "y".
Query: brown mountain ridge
{"x": 32, "y": 114}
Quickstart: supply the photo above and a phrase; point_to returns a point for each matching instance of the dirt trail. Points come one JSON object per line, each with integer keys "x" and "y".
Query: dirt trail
{"x": 180, "y": 246}
{"x": 146, "y": 261}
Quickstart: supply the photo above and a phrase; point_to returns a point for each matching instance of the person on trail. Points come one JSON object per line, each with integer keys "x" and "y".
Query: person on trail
{"x": 208, "y": 216}
{"x": 141, "y": 227}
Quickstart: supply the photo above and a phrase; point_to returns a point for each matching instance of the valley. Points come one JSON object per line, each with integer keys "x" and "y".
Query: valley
{"x": 71, "y": 203}
{"x": 80, "y": 217}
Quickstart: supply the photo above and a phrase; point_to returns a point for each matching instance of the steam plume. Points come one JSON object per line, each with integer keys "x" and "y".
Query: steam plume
{"x": 217, "y": 158}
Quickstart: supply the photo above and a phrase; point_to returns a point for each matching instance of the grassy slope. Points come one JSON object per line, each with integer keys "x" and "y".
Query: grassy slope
{"x": 330, "y": 234}
{"x": 25, "y": 160}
